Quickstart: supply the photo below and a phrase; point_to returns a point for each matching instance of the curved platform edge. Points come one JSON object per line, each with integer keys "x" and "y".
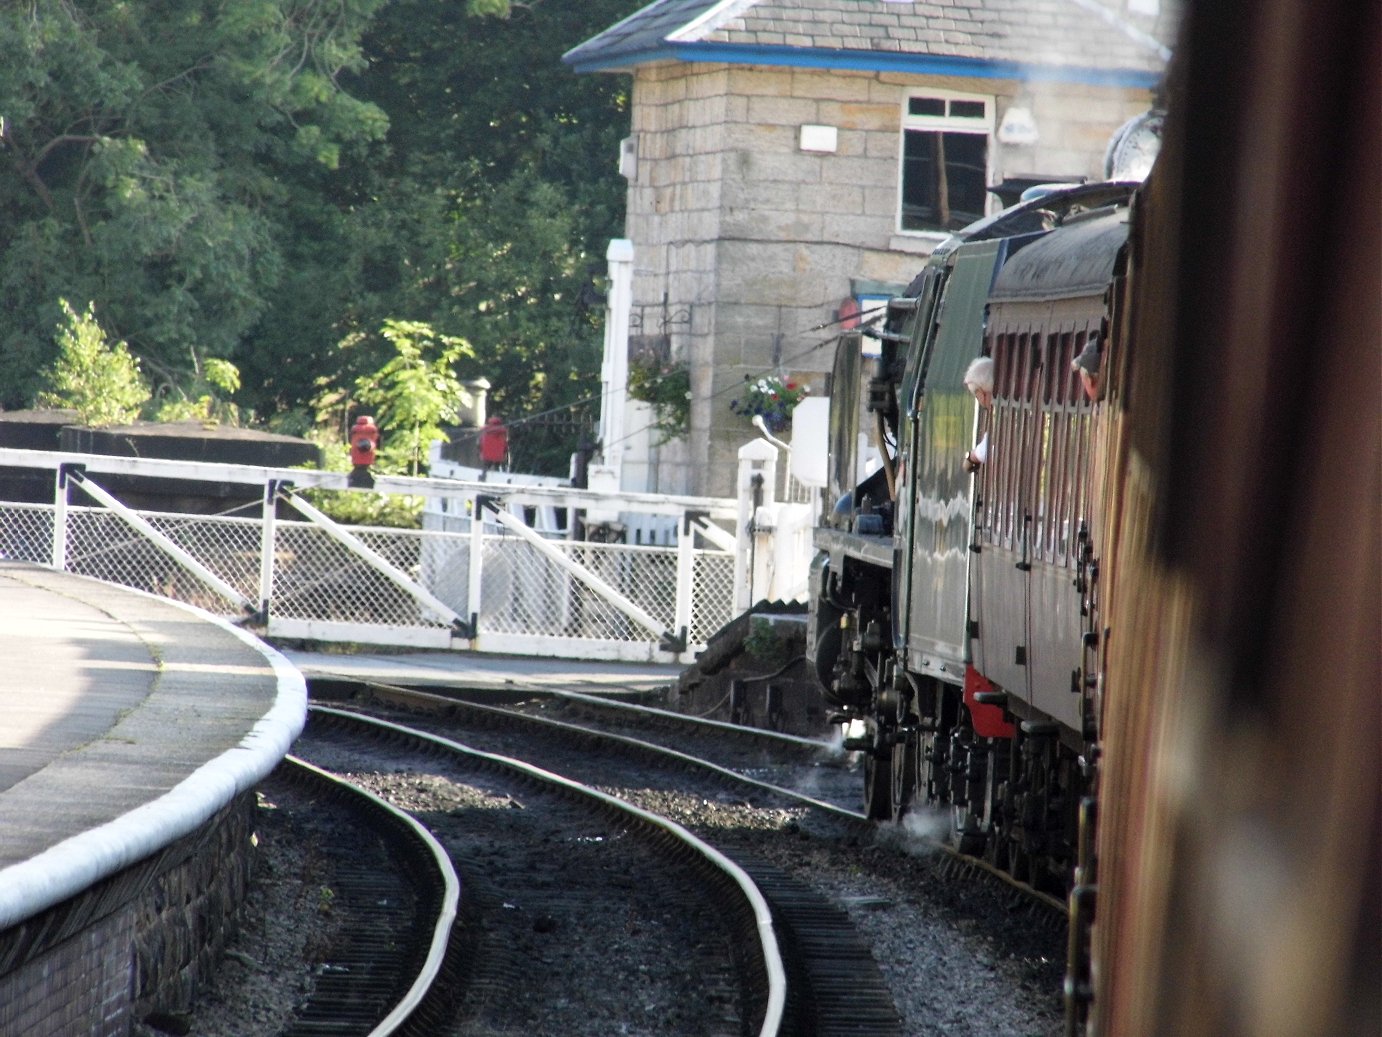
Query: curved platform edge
{"x": 75, "y": 864}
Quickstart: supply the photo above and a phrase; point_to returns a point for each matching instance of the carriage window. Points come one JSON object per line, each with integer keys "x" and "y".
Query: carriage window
{"x": 1072, "y": 379}
{"x": 945, "y": 152}
{"x": 1039, "y": 468}
{"x": 1003, "y": 365}
{"x": 1051, "y": 383}
{"x": 1062, "y": 377}
{"x": 1013, "y": 364}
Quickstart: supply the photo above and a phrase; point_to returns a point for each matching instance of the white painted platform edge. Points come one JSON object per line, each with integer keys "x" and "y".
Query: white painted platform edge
{"x": 77, "y": 863}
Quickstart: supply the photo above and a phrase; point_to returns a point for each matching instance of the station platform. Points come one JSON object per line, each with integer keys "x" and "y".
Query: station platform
{"x": 135, "y": 732}
{"x": 131, "y": 724}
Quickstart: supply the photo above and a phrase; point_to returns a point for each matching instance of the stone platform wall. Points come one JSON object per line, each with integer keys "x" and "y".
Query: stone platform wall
{"x": 138, "y": 942}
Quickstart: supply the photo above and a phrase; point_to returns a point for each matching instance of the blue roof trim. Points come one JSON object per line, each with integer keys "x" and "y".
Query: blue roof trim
{"x": 875, "y": 61}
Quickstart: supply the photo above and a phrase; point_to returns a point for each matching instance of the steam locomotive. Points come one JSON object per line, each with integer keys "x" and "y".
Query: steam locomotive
{"x": 955, "y": 616}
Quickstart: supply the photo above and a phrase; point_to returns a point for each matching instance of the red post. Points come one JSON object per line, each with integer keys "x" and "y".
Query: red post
{"x": 364, "y": 445}
{"x": 494, "y": 443}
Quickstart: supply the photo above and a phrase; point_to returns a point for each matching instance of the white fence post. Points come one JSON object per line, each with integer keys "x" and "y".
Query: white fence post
{"x": 756, "y": 487}
{"x": 614, "y": 371}
{"x": 477, "y": 553}
{"x": 686, "y": 573}
{"x": 59, "y": 545}
{"x": 266, "y": 548}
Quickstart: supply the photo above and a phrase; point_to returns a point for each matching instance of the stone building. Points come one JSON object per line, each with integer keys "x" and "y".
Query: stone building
{"x": 788, "y": 155}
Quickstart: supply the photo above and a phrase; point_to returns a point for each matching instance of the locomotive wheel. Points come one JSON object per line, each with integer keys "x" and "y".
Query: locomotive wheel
{"x": 903, "y": 785}
{"x": 878, "y": 797}
{"x": 996, "y": 852}
{"x": 972, "y": 820}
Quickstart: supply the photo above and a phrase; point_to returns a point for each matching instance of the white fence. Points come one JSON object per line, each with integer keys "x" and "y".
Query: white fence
{"x": 287, "y": 570}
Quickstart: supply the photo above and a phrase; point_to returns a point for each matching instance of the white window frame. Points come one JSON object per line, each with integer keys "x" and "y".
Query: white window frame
{"x": 987, "y": 127}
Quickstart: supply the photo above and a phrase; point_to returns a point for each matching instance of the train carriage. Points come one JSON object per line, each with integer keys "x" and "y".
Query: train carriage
{"x": 1032, "y": 585}
{"x": 898, "y": 595}
{"x": 1151, "y": 675}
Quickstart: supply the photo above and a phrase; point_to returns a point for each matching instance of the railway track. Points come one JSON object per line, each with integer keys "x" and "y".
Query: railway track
{"x": 660, "y": 759}
{"x": 815, "y": 974}
{"x": 846, "y": 906}
{"x": 806, "y": 770}
{"x": 589, "y": 861}
{"x": 389, "y": 969}
{"x": 811, "y": 771}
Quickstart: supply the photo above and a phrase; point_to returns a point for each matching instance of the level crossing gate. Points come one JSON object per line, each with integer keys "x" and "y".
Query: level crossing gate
{"x": 489, "y": 581}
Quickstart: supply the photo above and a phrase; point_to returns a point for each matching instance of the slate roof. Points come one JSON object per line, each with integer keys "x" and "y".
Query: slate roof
{"x": 1071, "y": 40}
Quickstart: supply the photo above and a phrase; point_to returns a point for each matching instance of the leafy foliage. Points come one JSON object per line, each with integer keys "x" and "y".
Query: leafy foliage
{"x": 92, "y": 375}
{"x": 415, "y": 393}
{"x": 764, "y": 644}
{"x": 666, "y": 385}
{"x": 207, "y": 398}
{"x": 479, "y": 215}
{"x": 149, "y": 144}
{"x": 356, "y": 508}
{"x": 260, "y": 182}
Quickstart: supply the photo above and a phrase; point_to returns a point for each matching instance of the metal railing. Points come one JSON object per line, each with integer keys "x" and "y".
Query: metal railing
{"x": 498, "y": 585}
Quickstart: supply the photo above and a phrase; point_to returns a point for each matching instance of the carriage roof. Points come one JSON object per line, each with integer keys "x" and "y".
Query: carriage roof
{"x": 1075, "y": 259}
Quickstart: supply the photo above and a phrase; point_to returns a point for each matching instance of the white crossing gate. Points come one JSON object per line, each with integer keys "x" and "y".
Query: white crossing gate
{"x": 495, "y": 584}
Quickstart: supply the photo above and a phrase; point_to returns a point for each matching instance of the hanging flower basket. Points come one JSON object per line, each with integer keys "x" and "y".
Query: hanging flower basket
{"x": 771, "y": 397}
{"x": 666, "y": 385}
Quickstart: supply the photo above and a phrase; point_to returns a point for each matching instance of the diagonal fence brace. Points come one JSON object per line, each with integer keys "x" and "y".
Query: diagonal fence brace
{"x": 668, "y": 641}
{"x": 397, "y": 576}
{"x": 75, "y": 474}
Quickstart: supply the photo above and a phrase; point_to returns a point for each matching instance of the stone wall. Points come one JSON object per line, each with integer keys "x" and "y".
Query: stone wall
{"x": 137, "y": 942}
{"x": 745, "y": 244}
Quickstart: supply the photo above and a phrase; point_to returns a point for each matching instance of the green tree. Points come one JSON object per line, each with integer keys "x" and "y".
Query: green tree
{"x": 260, "y": 182}
{"x": 207, "y": 398}
{"x": 478, "y": 215}
{"x": 415, "y": 393}
{"x": 149, "y": 145}
{"x": 92, "y": 375}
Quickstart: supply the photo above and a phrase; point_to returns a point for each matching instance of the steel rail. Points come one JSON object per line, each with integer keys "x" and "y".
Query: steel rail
{"x": 648, "y": 747}
{"x": 796, "y": 741}
{"x": 432, "y": 965}
{"x": 601, "y": 702}
{"x": 762, "y": 913}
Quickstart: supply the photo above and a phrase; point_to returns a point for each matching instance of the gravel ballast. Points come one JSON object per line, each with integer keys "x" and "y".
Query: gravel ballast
{"x": 962, "y": 956}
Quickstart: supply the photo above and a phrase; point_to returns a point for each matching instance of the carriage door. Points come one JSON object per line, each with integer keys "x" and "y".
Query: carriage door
{"x": 1054, "y": 509}
{"x": 1007, "y": 493}
{"x": 944, "y": 419}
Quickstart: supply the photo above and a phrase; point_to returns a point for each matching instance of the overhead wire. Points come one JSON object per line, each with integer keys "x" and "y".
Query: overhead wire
{"x": 865, "y": 321}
